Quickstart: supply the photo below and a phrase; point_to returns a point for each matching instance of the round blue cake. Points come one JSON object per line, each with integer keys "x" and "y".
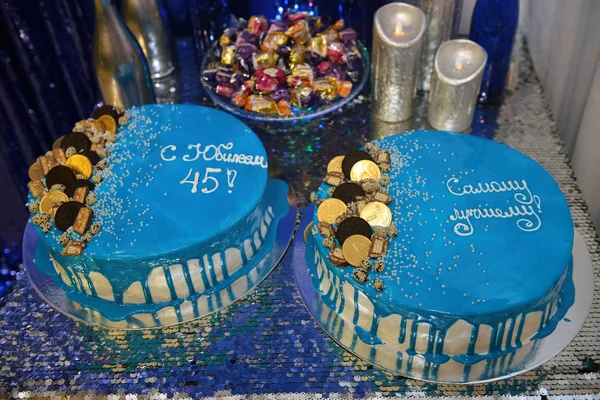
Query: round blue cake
{"x": 480, "y": 268}
{"x": 186, "y": 212}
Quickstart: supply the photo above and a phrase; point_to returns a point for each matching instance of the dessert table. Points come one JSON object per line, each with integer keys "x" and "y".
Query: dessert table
{"x": 267, "y": 345}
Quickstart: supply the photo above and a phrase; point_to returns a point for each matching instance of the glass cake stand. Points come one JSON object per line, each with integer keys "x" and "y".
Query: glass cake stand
{"x": 285, "y": 123}
{"x": 56, "y": 297}
{"x": 541, "y": 351}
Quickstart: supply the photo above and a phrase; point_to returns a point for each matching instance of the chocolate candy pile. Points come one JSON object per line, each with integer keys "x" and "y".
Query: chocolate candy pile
{"x": 292, "y": 64}
{"x": 354, "y": 219}
{"x": 60, "y": 186}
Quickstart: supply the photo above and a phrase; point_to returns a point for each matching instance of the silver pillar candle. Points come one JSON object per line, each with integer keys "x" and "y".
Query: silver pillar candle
{"x": 121, "y": 68}
{"x": 440, "y": 18}
{"x": 458, "y": 70}
{"x": 397, "y": 41}
{"x": 147, "y": 21}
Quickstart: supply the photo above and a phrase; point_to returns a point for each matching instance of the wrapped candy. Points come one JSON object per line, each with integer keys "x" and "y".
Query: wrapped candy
{"x": 345, "y": 88}
{"x": 238, "y": 78}
{"x": 224, "y": 91}
{"x": 335, "y": 52}
{"x": 298, "y": 60}
{"x": 228, "y": 37}
{"x": 316, "y": 48}
{"x": 297, "y": 54}
{"x": 324, "y": 67}
{"x": 274, "y": 41}
{"x": 239, "y": 98}
{"x": 284, "y": 51}
{"x": 209, "y": 76}
{"x": 297, "y": 16}
{"x": 284, "y": 108}
{"x": 246, "y": 37}
{"x": 283, "y": 66}
{"x": 266, "y": 83}
{"x": 223, "y": 78}
{"x": 277, "y": 26}
{"x": 257, "y": 24}
{"x": 264, "y": 59}
{"x": 348, "y": 36}
{"x": 275, "y": 73}
{"x": 339, "y": 25}
{"x": 331, "y": 35}
{"x": 280, "y": 94}
{"x": 293, "y": 81}
{"x": 353, "y": 60}
{"x": 299, "y": 31}
{"x": 228, "y": 55}
{"x": 303, "y": 97}
{"x": 246, "y": 50}
{"x": 249, "y": 86}
{"x": 326, "y": 88}
{"x": 336, "y": 71}
{"x": 260, "y": 104}
{"x": 303, "y": 71}
{"x": 244, "y": 57}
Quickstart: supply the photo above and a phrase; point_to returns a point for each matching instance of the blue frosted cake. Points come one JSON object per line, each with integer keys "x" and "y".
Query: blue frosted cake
{"x": 466, "y": 263}
{"x": 155, "y": 215}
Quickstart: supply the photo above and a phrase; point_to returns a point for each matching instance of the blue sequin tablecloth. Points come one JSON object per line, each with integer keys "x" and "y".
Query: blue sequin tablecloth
{"x": 267, "y": 345}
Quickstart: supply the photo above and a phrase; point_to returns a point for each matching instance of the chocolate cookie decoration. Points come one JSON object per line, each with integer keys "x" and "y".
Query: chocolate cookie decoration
{"x": 347, "y": 192}
{"x": 92, "y": 156}
{"x": 352, "y": 158}
{"x": 60, "y": 175}
{"x": 106, "y": 110}
{"x": 70, "y": 190}
{"x": 78, "y": 140}
{"x": 67, "y": 214}
{"x": 353, "y": 226}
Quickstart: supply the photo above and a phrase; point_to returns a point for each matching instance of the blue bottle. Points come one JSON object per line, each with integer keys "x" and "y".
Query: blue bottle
{"x": 493, "y": 27}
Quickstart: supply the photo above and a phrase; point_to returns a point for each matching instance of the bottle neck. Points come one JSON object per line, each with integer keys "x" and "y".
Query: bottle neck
{"x": 105, "y": 9}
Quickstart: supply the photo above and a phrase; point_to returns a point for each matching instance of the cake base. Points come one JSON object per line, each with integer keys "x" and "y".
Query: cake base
{"x": 57, "y": 298}
{"x": 529, "y": 357}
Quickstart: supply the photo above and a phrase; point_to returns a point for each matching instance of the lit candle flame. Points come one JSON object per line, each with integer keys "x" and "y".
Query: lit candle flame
{"x": 458, "y": 65}
{"x": 398, "y": 31}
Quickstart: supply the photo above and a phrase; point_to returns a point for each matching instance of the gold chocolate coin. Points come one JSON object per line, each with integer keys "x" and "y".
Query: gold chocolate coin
{"x": 355, "y": 249}
{"x": 377, "y": 214}
{"x": 36, "y": 172}
{"x": 364, "y": 169}
{"x": 330, "y": 209}
{"x": 335, "y": 165}
{"x": 109, "y": 123}
{"x": 80, "y": 164}
{"x": 47, "y": 202}
{"x": 57, "y": 142}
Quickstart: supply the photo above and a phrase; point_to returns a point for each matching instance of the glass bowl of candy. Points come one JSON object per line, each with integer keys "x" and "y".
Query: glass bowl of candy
{"x": 289, "y": 70}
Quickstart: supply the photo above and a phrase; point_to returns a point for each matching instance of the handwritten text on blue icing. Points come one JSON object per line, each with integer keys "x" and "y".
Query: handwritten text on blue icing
{"x": 212, "y": 152}
{"x": 527, "y": 207}
{"x": 211, "y": 175}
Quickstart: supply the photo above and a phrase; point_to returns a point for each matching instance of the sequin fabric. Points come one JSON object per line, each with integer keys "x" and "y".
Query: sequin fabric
{"x": 267, "y": 343}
